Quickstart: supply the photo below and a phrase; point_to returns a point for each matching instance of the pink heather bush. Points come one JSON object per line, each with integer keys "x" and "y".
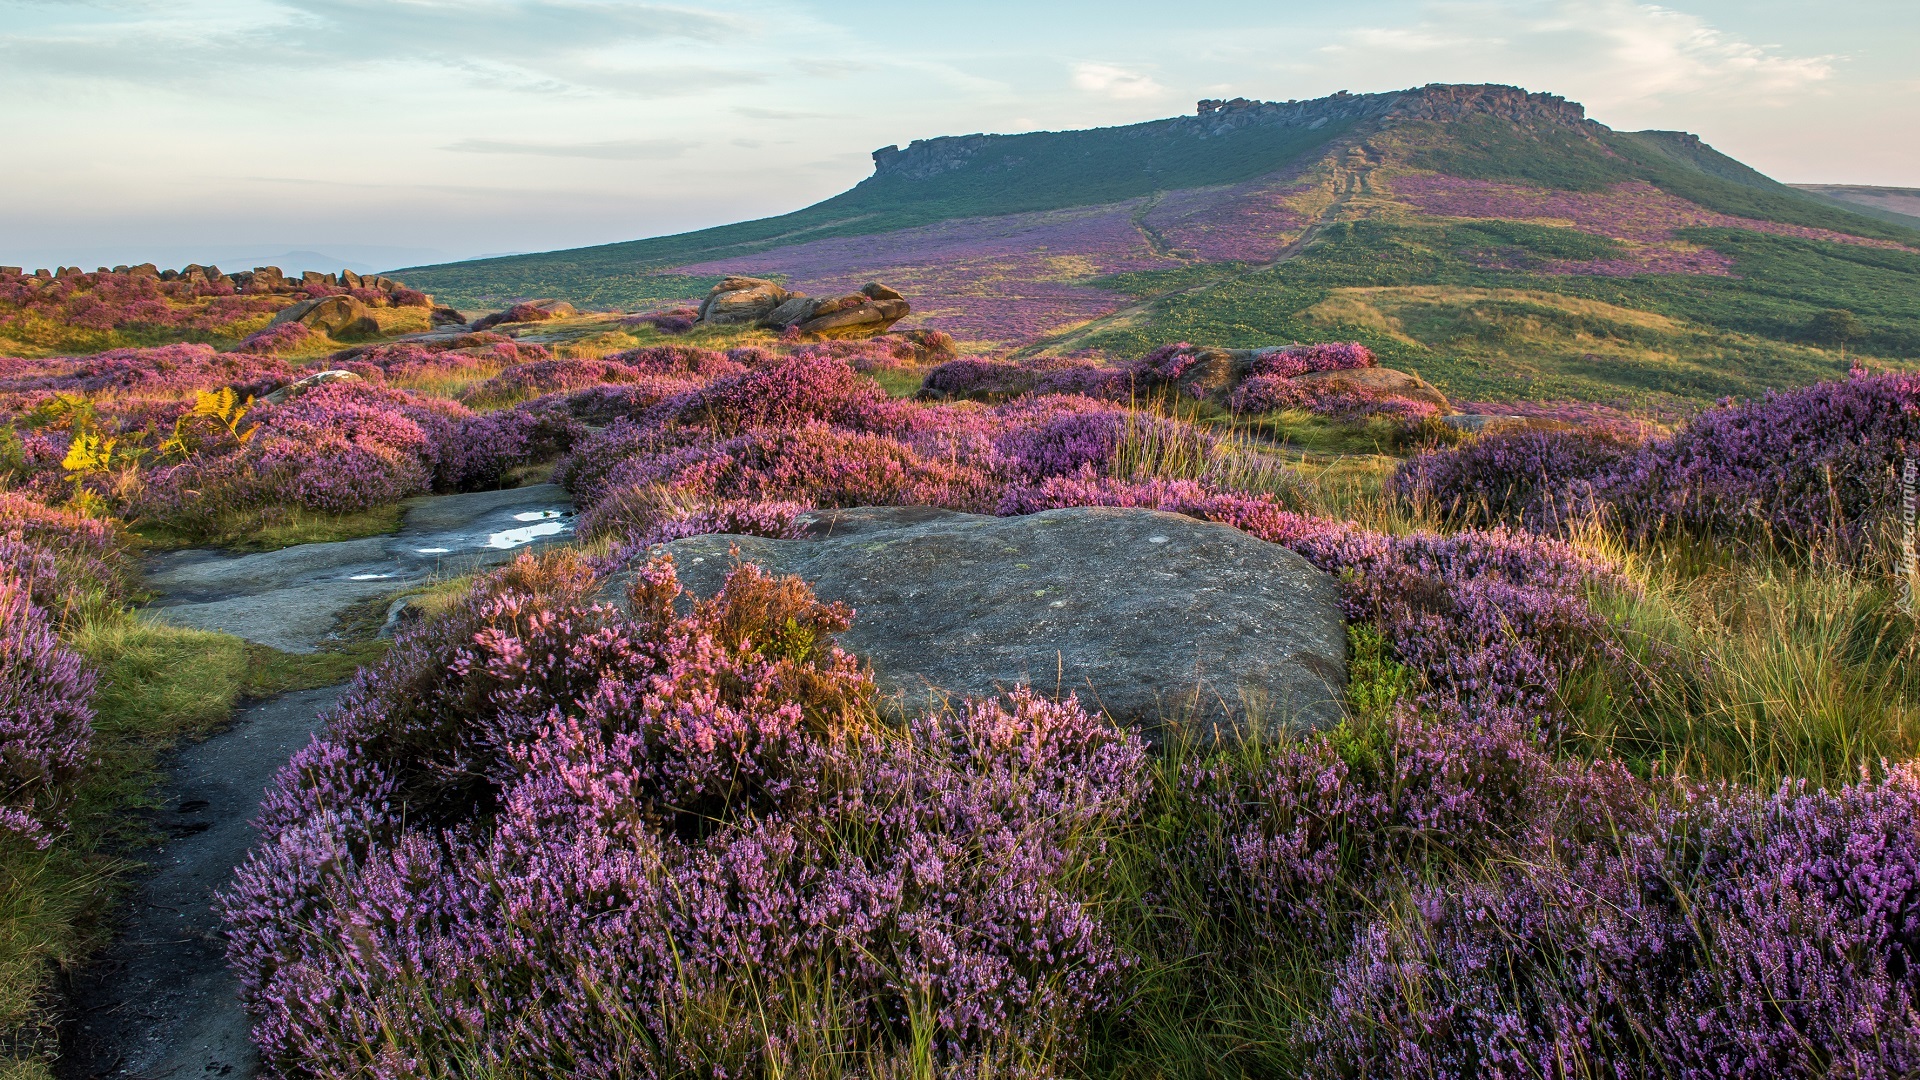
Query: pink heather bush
{"x": 790, "y": 392}
{"x": 46, "y": 718}
{"x": 639, "y": 518}
{"x": 60, "y": 558}
{"x": 342, "y": 447}
{"x": 546, "y": 377}
{"x": 167, "y": 369}
{"x": 815, "y": 463}
{"x": 686, "y": 362}
{"x": 1300, "y": 359}
{"x": 566, "y": 840}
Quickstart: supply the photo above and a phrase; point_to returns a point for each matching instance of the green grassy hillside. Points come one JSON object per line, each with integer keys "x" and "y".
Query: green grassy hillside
{"x": 1492, "y": 292}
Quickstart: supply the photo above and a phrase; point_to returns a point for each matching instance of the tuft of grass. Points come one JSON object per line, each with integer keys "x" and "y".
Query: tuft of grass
{"x": 1758, "y": 667}
{"x": 899, "y": 382}
{"x": 273, "y": 528}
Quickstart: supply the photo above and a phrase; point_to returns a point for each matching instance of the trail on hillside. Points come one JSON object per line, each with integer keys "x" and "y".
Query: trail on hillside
{"x": 161, "y": 1004}
{"x": 1347, "y": 181}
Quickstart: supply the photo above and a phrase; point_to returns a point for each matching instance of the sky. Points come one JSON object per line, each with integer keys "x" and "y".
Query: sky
{"x": 384, "y": 133}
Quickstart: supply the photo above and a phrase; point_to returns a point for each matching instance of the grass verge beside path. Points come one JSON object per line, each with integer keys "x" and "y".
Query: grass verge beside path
{"x": 158, "y": 685}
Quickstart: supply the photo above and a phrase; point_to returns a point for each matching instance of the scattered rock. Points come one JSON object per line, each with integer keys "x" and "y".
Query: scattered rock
{"x": 1379, "y": 380}
{"x": 1149, "y": 616}
{"x": 742, "y": 301}
{"x": 295, "y": 389}
{"x": 446, "y": 316}
{"x": 797, "y": 308}
{"x": 854, "y": 317}
{"x": 334, "y": 316}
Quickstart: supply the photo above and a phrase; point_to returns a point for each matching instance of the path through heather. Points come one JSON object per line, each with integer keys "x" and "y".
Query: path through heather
{"x": 161, "y": 1005}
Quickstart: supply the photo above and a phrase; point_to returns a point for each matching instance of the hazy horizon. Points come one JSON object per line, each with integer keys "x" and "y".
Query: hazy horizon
{"x": 388, "y": 134}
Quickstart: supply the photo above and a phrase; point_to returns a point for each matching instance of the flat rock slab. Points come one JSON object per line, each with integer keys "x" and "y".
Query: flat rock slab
{"x": 291, "y": 599}
{"x": 1149, "y": 616}
{"x": 162, "y": 1004}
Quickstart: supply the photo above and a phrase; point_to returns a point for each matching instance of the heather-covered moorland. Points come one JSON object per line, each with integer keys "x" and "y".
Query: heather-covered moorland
{"x": 1500, "y": 243}
{"x": 1624, "y": 782}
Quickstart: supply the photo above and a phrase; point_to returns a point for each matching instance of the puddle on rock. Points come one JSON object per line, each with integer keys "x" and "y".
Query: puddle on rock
{"x": 369, "y": 577}
{"x": 433, "y": 551}
{"x": 550, "y": 525}
{"x": 539, "y": 515}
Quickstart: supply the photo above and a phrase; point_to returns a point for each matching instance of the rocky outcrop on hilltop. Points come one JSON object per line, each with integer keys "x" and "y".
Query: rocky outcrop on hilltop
{"x": 925, "y": 158}
{"x": 748, "y": 301}
{"x": 1150, "y": 617}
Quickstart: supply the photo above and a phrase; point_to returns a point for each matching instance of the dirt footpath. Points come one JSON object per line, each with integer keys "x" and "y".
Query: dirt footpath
{"x": 161, "y": 1004}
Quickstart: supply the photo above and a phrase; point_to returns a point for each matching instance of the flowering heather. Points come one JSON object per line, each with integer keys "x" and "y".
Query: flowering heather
{"x": 1323, "y": 356}
{"x": 165, "y": 370}
{"x": 1632, "y": 210}
{"x": 484, "y": 447}
{"x": 546, "y": 377}
{"x": 61, "y": 558}
{"x": 995, "y": 380}
{"x": 342, "y": 447}
{"x": 639, "y": 518}
{"x": 46, "y": 719}
{"x": 1803, "y": 467}
{"x": 567, "y": 840}
{"x": 1806, "y": 466}
{"x": 790, "y": 392}
{"x": 1538, "y": 480}
{"x": 814, "y": 463}
{"x": 1244, "y": 223}
{"x": 1741, "y": 935}
{"x": 276, "y": 339}
{"x": 687, "y": 362}
{"x": 1000, "y": 279}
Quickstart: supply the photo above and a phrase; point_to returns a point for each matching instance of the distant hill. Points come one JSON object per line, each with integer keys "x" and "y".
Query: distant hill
{"x": 1498, "y": 240}
{"x": 1896, "y": 204}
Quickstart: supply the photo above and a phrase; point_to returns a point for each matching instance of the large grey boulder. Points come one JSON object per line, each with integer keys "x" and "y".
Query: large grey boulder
{"x": 1152, "y": 617}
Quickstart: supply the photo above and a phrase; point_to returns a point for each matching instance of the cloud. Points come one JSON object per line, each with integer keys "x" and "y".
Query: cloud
{"x": 1114, "y": 82}
{"x": 1608, "y": 53}
{"x": 755, "y": 112}
{"x": 611, "y": 150}
{"x": 526, "y": 46}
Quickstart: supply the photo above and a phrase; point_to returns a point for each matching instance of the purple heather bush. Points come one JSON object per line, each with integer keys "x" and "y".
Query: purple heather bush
{"x": 1805, "y": 467}
{"x": 276, "y": 339}
{"x": 1808, "y": 467}
{"x": 1538, "y": 480}
{"x": 562, "y": 838}
{"x": 46, "y": 718}
{"x": 1740, "y": 934}
{"x": 61, "y": 558}
{"x": 483, "y": 448}
{"x": 545, "y": 377}
{"x": 170, "y": 370}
